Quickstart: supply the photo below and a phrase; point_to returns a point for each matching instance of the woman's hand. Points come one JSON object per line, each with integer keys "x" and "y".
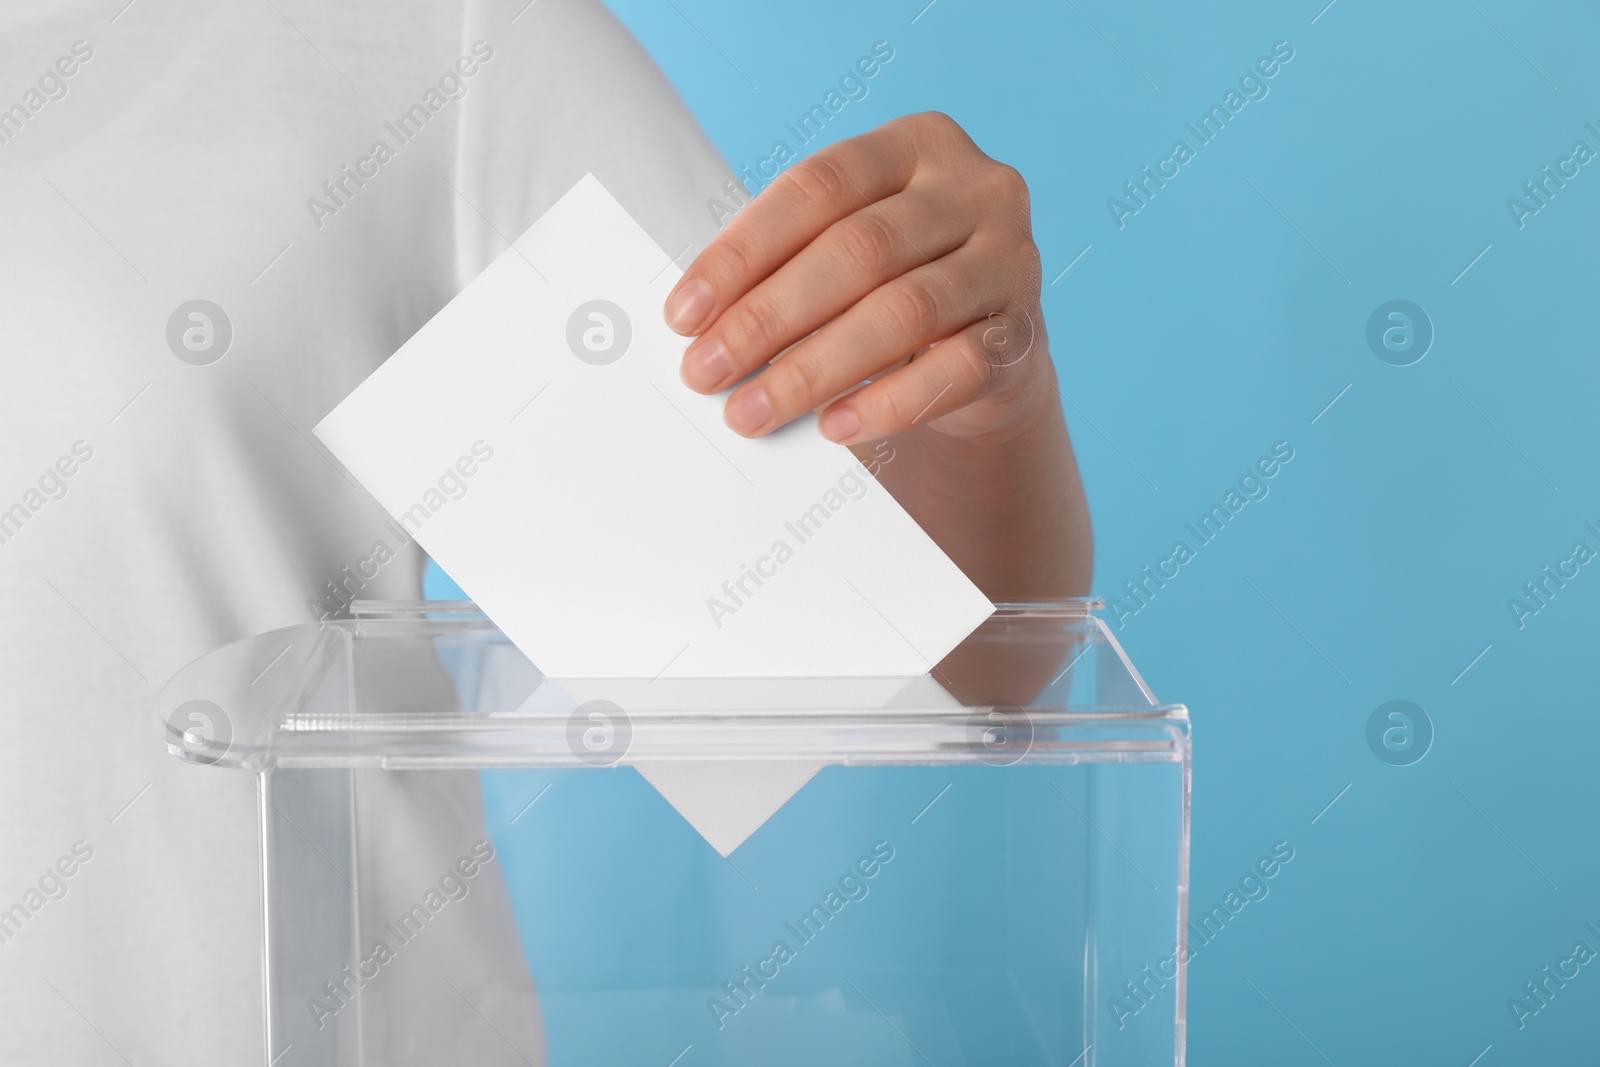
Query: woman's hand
{"x": 909, "y": 255}
{"x": 904, "y": 259}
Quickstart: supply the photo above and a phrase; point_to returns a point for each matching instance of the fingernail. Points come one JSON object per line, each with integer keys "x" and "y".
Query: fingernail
{"x": 839, "y": 425}
{"x": 688, "y": 305}
{"x": 706, "y": 365}
{"x": 748, "y": 411}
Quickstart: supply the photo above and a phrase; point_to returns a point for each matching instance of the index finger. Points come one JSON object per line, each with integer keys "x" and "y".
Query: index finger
{"x": 802, "y": 202}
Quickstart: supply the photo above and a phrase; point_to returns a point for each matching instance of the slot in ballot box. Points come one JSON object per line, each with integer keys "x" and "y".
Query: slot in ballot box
{"x": 465, "y": 862}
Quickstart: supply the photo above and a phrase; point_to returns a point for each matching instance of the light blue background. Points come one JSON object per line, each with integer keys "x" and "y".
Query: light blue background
{"x": 1224, "y": 318}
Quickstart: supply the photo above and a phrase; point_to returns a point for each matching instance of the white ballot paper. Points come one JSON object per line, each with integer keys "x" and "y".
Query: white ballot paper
{"x": 535, "y": 438}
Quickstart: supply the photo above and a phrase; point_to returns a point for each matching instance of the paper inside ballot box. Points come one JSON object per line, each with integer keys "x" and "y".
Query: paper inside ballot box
{"x": 725, "y": 800}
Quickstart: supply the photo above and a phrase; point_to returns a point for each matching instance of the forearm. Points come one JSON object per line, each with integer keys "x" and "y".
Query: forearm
{"x": 1007, "y": 507}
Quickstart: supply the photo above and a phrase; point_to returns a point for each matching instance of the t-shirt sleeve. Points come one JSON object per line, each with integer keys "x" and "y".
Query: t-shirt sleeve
{"x": 568, "y": 91}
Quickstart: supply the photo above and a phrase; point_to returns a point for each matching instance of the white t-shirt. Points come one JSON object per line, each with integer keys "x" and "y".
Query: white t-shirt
{"x": 152, "y": 508}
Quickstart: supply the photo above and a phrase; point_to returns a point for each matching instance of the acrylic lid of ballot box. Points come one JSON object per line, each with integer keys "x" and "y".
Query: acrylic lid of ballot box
{"x": 435, "y": 684}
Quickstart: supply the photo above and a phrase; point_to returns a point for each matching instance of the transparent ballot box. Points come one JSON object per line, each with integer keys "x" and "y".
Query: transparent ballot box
{"x": 465, "y": 862}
